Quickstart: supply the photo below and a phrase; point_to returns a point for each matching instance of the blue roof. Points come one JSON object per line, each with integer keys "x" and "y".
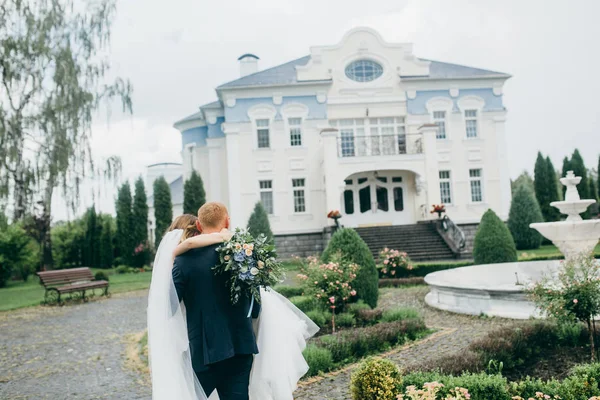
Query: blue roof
{"x": 194, "y": 116}
{"x": 285, "y": 74}
{"x": 215, "y": 104}
{"x": 443, "y": 70}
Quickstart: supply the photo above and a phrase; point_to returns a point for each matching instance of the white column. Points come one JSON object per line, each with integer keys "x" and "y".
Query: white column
{"x": 431, "y": 178}
{"x": 234, "y": 180}
{"x": 503, "y": 172}
{"x": 333, "y": 182}
{"x": 215, "y": 178}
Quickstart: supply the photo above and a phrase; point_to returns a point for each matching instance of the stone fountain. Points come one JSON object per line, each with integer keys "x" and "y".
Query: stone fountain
{"x": 497, "y": 289}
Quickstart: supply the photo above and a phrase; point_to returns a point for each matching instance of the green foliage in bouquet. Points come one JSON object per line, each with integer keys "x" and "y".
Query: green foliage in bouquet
{"x": 251, "y": 263}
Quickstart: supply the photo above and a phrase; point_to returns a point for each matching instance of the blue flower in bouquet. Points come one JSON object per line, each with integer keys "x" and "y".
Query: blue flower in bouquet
{"x": 239, "y": 256}
{"x": 246, "y": 276}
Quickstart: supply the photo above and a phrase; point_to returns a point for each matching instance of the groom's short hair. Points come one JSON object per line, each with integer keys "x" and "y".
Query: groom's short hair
{"x": 212, "y": 215}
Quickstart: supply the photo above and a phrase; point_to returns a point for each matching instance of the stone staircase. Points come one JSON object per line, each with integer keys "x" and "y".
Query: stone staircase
{"x": 422, "y": 242}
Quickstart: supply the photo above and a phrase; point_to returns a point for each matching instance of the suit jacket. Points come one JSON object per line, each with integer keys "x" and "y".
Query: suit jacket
{"x": 217, "y": 330}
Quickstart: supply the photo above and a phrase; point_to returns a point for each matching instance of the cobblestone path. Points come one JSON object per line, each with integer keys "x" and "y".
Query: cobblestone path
{"x": 455, "y": 333}
{"x": 71, "y": 352}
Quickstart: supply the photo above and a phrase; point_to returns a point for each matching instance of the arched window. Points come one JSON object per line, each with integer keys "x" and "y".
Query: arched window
{"x": 364, "y": 70}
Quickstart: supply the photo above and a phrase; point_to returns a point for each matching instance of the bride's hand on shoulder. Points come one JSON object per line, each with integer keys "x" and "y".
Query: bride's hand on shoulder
{"x": 226, "y": 234}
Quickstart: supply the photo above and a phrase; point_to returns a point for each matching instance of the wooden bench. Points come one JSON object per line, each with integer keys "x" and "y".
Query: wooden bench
{"x": 76, "y": 280}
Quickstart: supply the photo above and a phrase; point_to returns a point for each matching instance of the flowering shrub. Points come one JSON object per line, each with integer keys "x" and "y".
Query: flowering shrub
{"x": 330, "y": 283}
{"x": 540, "y": 395}
{"x": 574, "y": 295}
{"x": 393, "y": 262}
{"x": 376, "y": 379}
{"x": 430, "y": 390}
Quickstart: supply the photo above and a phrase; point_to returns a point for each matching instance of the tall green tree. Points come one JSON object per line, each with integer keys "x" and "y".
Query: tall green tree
{"x": 598, "y": 172}
{"x": 163, "y": 208}
{"x": 140, "y": 213}
{"x": 91, "y": 256}
{"x": 543, "y": 187}
{"x": 525, "y": 210}
{"x": 566, "y": 167}
{"x": 578, "y": 166}
{"x": 259, "y": 222}
{"x": 124, "y": 237}
{"x": 554, "y": 191}
{"x": 523, "y": 179}
{"x": 106, "y": 244}
{"x": 194, "y": 195}
{"x": 54, "y": 72}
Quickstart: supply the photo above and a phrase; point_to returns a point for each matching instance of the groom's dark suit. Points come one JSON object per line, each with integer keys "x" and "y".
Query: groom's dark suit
{"x": 222, "y": 342}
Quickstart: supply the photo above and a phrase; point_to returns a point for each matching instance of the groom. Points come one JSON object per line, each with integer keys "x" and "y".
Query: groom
{"x": 222, "y": 342}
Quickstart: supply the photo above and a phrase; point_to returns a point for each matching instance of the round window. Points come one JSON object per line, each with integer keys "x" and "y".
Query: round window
{"x": 364, "y": 70}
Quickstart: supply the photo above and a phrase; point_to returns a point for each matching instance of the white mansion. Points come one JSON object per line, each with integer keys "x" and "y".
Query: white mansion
{"x": 364, "y": 127}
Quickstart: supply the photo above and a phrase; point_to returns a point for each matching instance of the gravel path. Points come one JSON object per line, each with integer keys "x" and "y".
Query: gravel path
{"x": 71, "y": 352}
{"x": 455, "y": 333}
{"x": 77, "y": 352}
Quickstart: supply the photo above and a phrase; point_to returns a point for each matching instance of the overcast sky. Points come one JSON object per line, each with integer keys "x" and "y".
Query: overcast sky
{"x": 176, "y": 52}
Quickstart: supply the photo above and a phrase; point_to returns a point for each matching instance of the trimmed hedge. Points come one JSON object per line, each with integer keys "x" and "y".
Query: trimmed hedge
{"x": 525, "y": 210}
{"x": 289, "y": 291}
{"x": 354, "y": 250}
{"x": 376, "y": 379}
{"x": 421, "y": 270}
{"x": 387, "y": 283}
{"x": 318, "y": 359}
{"x": 304, "y": 303}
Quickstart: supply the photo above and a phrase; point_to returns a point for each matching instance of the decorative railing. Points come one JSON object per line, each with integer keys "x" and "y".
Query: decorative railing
{"x": 453, "y": 235}
{"x": 379, "y": 145}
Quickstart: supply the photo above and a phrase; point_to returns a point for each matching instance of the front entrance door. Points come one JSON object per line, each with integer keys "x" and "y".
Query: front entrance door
{"x": 377, "y": 199}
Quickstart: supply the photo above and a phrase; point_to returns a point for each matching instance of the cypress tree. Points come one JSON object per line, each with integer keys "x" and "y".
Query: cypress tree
{"x": 566, "y": 167}
{"x": 523, "y": 179}
{"x": 525, "y": 210}
{"x": 493, "y": 241}
{"x": 106, "y": 243}
{"x": 124, "y": 236}
{"x": 194, "y": 195}
{"x": 554, "y": 191}
{"x": 259, "y": 222}
{"x": 543, "y": 188}
{"x": 140, "y": 213}
{"x": 163, "y": 208}
{"x": 578, "y": 167}
{"x": 93, "y": 230}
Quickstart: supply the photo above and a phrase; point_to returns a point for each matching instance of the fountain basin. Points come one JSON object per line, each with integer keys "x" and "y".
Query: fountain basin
{"x": 488, "y": 289}
{"x": 572, "y": 208}
{"x": 571, "y": 237}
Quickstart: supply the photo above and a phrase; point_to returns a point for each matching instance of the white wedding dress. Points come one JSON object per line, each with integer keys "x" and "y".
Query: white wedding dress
{"x": 282, "y": 331}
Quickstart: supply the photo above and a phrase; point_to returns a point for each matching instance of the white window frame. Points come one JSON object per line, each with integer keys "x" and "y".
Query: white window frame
{"x": 298, "y": 126}
{"x": 262, "y": 128}
{"x": 450, "y": 189}
{"x": 262, "y": 190}
{"x": 481, "y": 185}
{"x": 305, "y": 189}
{"x": 290, "y": 111}
{"x": 469, "y": 118}
{"x": 262, "y": 112}
{"x": 441, "y": 104}
{"x": 468, "y": 103}
{"x": 364, "y": 129}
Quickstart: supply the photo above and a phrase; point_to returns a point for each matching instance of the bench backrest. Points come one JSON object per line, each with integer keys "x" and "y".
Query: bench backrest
{"x": 65, "y": 276}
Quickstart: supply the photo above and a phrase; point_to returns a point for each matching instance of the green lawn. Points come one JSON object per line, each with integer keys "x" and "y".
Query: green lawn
{"x": 546, "y": 251}
{"x": 21, "y": 294}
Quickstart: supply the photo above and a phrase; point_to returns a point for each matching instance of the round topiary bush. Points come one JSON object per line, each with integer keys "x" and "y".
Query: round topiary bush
{"x": 524, "y": 210}
{"x": 376, "y": 379}
{"x": 493, "y": 241}
{"x": 354, "y": 250}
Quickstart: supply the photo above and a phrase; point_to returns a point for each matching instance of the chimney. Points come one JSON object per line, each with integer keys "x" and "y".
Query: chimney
{"x": 248, "y": 64}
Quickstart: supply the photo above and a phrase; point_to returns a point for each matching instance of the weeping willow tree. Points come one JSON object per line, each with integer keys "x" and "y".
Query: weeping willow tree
{"x": 54, "y": 65}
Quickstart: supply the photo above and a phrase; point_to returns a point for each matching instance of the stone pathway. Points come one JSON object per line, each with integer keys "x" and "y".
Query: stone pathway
{"x": 71, "y": 352}
{"x": 455, "y": 333}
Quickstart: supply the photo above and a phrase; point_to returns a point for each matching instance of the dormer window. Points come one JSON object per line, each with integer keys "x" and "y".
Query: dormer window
{"x": 364, "y": 70}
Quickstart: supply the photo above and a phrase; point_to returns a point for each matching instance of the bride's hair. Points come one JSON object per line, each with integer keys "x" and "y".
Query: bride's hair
{"x": 187, "y": 222}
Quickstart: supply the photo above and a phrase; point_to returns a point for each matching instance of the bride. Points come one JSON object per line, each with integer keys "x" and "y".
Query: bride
{"x": 281, "y": 330}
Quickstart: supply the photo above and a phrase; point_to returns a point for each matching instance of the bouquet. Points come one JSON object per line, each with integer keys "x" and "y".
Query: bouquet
{"x": 251, "y": 264}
